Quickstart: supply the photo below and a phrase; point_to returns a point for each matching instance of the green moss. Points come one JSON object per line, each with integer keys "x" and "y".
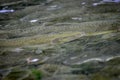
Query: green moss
{"x": 37, "y": 74}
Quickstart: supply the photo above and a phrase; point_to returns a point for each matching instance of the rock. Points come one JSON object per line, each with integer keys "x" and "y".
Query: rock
{"x": 4, "y": 36}
{"x": 38, "y": 51}
{"x": 17, "y": 50}
{"x": 1, "y": 76}
{"x": 15, "y": 75}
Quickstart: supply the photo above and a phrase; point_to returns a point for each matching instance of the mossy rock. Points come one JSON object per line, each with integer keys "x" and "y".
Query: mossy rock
{"x": 115, "y": 61}
{"x": 111, "y": 71}
{"x": 88, "y": 68}
{"x": 100, "y": 77}
{"x": 15, "y": 75}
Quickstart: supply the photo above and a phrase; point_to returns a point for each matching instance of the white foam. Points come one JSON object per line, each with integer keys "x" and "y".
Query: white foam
{"x": 73, "y": 57}
{"x": 95, "y": 4}
{"x": 116, "y": 1}
{"x": 97, "y": 59}
{"x": 105, "y": 1}
{"x": 34, "y": 60}
{"x": 53, "y": 7}
{"x": 83, "y": 3}
{"x": 92, "y": 59}
{"x": 34, "y": 20}
{"x": 7, "y": 11}
{"x": 76, "y": 18}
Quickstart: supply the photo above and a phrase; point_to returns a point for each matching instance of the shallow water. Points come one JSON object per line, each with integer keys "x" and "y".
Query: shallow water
{"x": 60, "y": 40}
